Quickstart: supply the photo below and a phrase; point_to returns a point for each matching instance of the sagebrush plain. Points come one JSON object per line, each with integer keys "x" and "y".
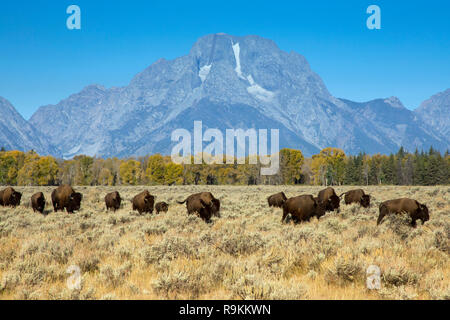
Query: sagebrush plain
{"x": 246, "y": 254}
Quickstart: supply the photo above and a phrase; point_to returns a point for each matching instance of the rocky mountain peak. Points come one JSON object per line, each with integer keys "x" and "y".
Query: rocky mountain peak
{"x": 436, "y": 112}
{"x": 394, "y": 102}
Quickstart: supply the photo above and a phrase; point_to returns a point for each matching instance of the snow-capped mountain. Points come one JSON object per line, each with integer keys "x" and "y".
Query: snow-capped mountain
{"x": 16, "y": 133}
{"x": 228, "y": 82}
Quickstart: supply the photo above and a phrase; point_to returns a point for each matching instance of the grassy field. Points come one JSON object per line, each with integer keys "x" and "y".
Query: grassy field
{"x": 245, "y": 254}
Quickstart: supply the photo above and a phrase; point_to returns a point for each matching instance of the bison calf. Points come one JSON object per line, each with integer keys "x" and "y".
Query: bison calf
{"x": 413, "y": 208}
{"x": 143, "y": 202}
{"x": 10, "y": 197}
{"x": 277, "y": 200}
{"x": 302, "y": 208}
{"x": 357, "y": 196}
{"x": 113, "y": 201}
{"x": 161, "y": 207}
{"x": 38, "y": 202}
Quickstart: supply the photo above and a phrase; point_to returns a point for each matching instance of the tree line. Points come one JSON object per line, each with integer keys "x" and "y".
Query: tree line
{"x": 330, "y": 167}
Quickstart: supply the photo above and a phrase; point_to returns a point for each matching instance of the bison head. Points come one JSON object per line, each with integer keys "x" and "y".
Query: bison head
{"x": 424, "y": 215}
{"x": 334, "y": 202}
{"x": 365, "y": 201}
{"x": 40, "y": 204}
{"x": 15, "y": 198}
{"x": 205, "y": 204}
{"x": 75, "y": 202}
{"x": 320, "y": 208}
{"x": 216, "y": 208}
{"x": 149, "y": 201}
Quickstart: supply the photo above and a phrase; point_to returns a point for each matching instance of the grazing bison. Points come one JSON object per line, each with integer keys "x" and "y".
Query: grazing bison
{"x": 412, "y": 207}
{"x": 143, "y": 202}
{"x": 357, "y": 196}
{"x": 161, "y": 207}
{"x": 38, "y": 202}
{"x": 302, "y": 208}
{"x": 277, "y": 200}
{"x": 10, "y": 197}
{"x": 113, "y": 201}
{"x": 64, "y": 197}
{"x": 204, "y": 204}
{"x": 215, "y": 209}
{"x": 329, "y": 198}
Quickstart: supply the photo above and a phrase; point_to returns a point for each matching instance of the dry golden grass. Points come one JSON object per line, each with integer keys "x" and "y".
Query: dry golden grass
{"x": 246, "y": 254}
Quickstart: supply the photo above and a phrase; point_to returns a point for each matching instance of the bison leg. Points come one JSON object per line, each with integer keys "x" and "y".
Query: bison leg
{"x": 383, "y": 212}
{"x": 413, "y": 223}
{"x": 285, "y": 213}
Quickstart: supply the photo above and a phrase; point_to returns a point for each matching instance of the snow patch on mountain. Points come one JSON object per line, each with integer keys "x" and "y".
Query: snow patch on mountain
{"x": 237, "y": 53}
{"x": 204, "y": 71}
{"x": 259, "y": 92}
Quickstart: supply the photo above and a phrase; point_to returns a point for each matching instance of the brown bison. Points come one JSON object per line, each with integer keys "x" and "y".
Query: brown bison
{"x": 329, "y": 198}
{"x": 161, "y": 207}
{"x": 277, "y": 200}
{"x": 113, "y": 201}
{"x": 357, "y": 196}
{"x": 412, "y": 207}
{"x": 215, "y": 209}
{"x": 38, "y": 202}
{"x": 302, "y": 208}
{"x": 204, "y": 204}
{"x": 143, "y": 202}
{"x": 10, "y": 197}
{"x": 64, "y": 197}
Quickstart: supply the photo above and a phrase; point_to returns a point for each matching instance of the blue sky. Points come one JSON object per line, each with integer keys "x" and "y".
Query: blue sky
{"x": 42, "y": 62}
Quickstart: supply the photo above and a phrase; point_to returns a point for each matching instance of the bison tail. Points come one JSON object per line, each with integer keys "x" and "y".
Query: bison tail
{"x": 342, "y": 194}
{"x": 181, "y": 202}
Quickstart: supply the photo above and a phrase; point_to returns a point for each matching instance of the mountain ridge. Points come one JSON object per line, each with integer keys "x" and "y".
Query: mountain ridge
{"x": 17, "y": 133}
{"x": 257, "y": 84}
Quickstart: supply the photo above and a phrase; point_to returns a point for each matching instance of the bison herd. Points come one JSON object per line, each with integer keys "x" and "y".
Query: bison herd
{"x": 302, "y": 208}
{"x": 205, "y": 205}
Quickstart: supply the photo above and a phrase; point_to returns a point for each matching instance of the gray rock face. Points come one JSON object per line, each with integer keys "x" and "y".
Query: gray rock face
{"x": 436, "y": 112}
{"x": 17, "y": 134}
{"x": 227, "y": 82}
{"x": 391, "y": 125}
